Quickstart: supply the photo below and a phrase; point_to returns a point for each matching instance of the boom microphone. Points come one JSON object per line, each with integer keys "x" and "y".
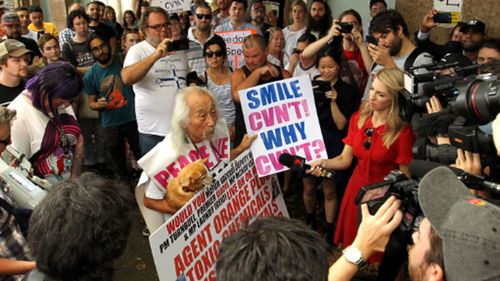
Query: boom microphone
{"x": 298, "y": 164}
{"x": 419, "y": 168}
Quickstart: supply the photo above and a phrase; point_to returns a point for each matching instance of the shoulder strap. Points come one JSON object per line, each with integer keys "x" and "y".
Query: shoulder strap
{"x": 412, "y": 57}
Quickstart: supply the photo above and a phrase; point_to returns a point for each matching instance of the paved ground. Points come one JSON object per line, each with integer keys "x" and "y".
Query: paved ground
{"x": 137, "y": 263}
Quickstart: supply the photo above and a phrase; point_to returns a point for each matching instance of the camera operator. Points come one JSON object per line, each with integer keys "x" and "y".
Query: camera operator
{"x": 489, "y": 51}
{"x": 14, "y": 251}
{"x": 457, "y": 240}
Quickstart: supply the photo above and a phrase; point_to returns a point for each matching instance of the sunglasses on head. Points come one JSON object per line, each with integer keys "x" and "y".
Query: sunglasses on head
{"x": 368, "y": 133}
{"x": 216, "y": 53}
{"x": 206, "y": 16}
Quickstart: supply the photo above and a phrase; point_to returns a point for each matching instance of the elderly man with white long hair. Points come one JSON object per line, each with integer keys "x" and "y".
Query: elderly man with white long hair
{"x": 197, "y": 133}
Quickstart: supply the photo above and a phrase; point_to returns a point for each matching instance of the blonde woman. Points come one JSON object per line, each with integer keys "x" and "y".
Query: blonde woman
{"x": 275, "y": 45}
{"x": 292, "y": 33}
{"x": 379, "y": 140}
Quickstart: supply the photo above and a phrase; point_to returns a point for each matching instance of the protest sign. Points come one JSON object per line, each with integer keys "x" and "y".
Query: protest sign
{"x": 172, "y": 6}
{"x": 186, "y": 246}
{"x": 283, "y": 115}
{"x": 234, "y": 45}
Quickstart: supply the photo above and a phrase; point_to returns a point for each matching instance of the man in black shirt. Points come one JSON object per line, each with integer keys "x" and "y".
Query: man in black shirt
{"x": 11, "y": 26}
{"x": 14, "y": 67}
{"x": 104, "y": 31}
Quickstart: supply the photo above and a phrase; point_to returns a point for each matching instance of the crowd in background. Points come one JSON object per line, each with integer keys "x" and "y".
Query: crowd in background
{"x": 100, "y": 94}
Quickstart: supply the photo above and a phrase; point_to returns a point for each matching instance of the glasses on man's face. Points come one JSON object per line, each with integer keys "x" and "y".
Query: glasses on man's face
{"x": 218, "y": 54}
{"x": 368, "y": 142}
{"x": 206, "y": 16}
{"x": 99, "y": 48}
{"x": 158, "y": 27}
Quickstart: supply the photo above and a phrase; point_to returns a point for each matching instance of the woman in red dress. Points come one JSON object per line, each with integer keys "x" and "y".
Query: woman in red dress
{"x": 379, "y": 140}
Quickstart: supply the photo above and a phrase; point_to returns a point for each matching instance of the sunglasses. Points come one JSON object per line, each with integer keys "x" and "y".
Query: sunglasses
{"x": 369, "y": 134}
{"x": 206, "y": 16}
{"x": 212, "y": 54}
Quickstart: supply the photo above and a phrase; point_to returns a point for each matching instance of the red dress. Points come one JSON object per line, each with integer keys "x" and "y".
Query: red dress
{"x": 373, "y": 165}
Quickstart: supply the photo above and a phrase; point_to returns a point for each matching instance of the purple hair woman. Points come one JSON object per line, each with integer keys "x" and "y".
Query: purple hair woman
{"x": 45, "y": 129}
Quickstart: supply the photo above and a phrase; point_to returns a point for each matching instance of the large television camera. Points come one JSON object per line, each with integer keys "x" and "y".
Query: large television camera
{"x": 27, "y": 189}
{"x": 406, "y": 190}
{"x": 468, "y": 100}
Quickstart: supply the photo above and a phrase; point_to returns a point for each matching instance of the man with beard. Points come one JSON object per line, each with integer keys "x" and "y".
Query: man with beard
{"x": 198, "y": 34}
{"x": 394, "y": 49}
{"x": 474, "y": 32}
{"x": 319, "y": 18}
{"x": 11, "y": 26}
{"x": 115, "y": 102}
{"x": 197, "y": 133}
{"x": 156, "y": 75}
{"x": 103, "y": 30}
{"x": 14, "y": 68}
{"x": 457, "y": 239}
{"x": 258, "y": 15}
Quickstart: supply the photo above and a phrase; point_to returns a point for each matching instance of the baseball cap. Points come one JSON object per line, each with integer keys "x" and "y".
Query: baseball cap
{"x": 12, "y": 48}
{"x": 475, "y": 25}
{"x": 468, "y": 226}
{"x": 10, "y": 18}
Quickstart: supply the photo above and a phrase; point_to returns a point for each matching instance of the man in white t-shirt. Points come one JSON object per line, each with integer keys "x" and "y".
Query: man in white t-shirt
{"x": 156, "y": 75}
{"x": 197, "y": 133}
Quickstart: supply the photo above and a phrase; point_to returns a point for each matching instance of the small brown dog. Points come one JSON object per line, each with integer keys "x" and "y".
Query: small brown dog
{"x": 190, "y": 180}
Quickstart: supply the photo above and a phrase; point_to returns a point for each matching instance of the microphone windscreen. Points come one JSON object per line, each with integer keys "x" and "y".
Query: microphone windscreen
{"x": 419, "y": 168}
{"x": 286, "y": 159}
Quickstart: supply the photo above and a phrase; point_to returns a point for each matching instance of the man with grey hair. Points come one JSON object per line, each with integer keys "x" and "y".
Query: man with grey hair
{"x": 156, "y": 74}
{"x": 14, "y": 253}
{"x": 196, "y": 133}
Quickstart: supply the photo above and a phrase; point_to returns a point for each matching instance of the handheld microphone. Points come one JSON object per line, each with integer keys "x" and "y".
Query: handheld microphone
{"x": 419, "y": 168}
{"x": 298, "y": 164}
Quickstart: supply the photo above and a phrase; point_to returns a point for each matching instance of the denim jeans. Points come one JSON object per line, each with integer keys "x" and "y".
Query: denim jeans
{"x": 147, "y": 142}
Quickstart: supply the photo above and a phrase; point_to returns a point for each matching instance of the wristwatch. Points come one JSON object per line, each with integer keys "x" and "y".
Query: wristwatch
{"x": 354, "y": 256}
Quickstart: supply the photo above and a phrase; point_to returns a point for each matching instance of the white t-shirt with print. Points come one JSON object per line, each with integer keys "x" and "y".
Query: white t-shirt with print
{"x": 155, "y": 92}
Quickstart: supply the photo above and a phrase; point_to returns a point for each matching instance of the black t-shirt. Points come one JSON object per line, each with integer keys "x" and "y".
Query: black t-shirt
{"x": 8, "y": 94}
{"x": 104, "y": 31}
{"x": 346, "y": 101}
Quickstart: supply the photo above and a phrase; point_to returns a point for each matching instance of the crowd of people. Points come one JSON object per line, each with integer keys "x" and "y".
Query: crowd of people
{"x": 139, "y": 100}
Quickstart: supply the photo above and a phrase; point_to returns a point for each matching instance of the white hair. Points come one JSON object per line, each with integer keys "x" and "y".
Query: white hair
{"x": 180, "y": 119}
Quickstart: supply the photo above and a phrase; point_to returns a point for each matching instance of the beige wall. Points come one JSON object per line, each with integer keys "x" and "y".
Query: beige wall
{"x": 484, "y": 10}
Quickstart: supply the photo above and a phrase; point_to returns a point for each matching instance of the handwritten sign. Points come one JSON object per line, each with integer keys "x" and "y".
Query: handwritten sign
{"x": 186, "y": 246}
{"x": 234, "y": 46}
{"x": 454, "y": 7}
{"x": 283, "y": 115}
{"x": 173, "y": 6}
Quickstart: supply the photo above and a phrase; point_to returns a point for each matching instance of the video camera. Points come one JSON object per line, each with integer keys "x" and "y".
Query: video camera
{"x": 468, "y": 100}
{"x": 406, "y": 190}
{"x": 27, "y": 190}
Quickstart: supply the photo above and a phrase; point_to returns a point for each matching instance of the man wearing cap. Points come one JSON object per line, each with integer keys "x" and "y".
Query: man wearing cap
{"x": 14, "y": 67}
{"x": 458, "y": 239}
{"x": 11, "y": 26}
{"x": 474, "y": 32}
